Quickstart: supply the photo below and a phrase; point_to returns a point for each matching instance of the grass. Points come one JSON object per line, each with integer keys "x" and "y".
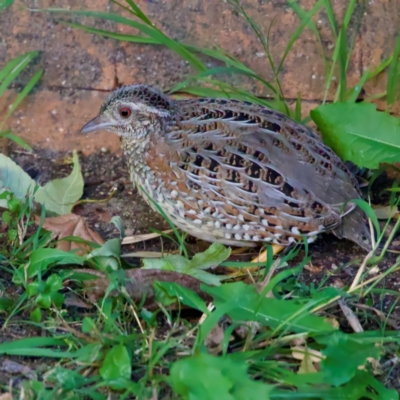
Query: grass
{"x": 8, "y": 75}
{"x": 271, "y": 334}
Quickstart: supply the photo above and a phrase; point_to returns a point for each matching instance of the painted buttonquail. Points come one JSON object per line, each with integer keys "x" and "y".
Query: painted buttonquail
{"x": 231, "y": 171}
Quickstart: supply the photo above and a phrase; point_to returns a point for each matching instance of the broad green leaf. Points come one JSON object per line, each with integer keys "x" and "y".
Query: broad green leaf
{"x": 36, "y": 315}
{"x": 344, "y": 356}
{"x": 41, "y": 259}
{"x": 207, "y": 377}
{"x": 108, "y": 255}
{"x": 67, "y": 378}
{"x": 5, "y": 3}
{"x": 57, "y": 196}
{"x": 116, "y": 368}
{"x": 248, "y": 305}
{"x": 212, "y": 257}
{"x": 60, "y": 195}
{"x": 365, "y": 386}
{"x": 359, "y": 133}
{"x": 184, "y": 295}
{"x": 14, "y": 179}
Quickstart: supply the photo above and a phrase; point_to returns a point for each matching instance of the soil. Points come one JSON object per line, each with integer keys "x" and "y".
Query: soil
{"x": 105, "y": 170}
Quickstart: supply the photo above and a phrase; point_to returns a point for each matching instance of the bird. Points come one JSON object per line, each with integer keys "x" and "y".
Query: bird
{"x": 231, "y": 171}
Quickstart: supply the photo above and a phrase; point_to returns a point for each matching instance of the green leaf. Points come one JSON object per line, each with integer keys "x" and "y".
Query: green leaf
{"x": 108, "y": 255}
{"x": 14, "y": 179}
{"x": 248, "y": 305}
{"x": 342, "y": 62}
{"x": 184, "y": 295}
{"x": 43, "y": 301}
{"x": 116, "y": 368}
{"x": 5, "y": 3}
{"x": 36, "y": 315}
{"x": 60, "y": 195}
{"x": 23, "y": 93}
{"x": 365, "y": 386}
{"x": 12, "y": 234}
{"x": 344, "y": 356}
{"x": 359, "y": 133}
{"x": 57, "y": 196}
{"x": 88, "y": 325}
{"x": 14, "y": 68}
{"x": 149, "y": 30}
{"x": 117, "y": 221}
{"x": 206, "y": 377}
{"x": 54, "y": 283}
{"x": 16, "y": 139}
{"x": 66, "y": 378}
{"x": 392, "y": 87}
{"x": 6, "y": 217}
{"x": 213, "y": 256}
{"x": 42, "y": 258}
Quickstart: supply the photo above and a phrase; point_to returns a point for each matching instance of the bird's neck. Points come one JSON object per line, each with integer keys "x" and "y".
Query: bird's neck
{"x": 136, "y": 148}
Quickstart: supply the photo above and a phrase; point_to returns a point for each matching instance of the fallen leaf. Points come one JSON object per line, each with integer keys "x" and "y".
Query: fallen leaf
{"x": 71, "y": 225}
{"x": 214, "y": 340}
{"x": 300, "y": 352}
{"x": 306, "y": 366}
{"x": 139, "y": 284}
{"x": 14, "y": 368}
{"x": 386, "y": 212}
{"x": 142, "y": 238}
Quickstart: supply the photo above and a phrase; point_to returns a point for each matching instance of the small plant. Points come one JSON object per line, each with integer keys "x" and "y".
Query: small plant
{"x": 7, "y": 75}
{"x": 276, "y": 336}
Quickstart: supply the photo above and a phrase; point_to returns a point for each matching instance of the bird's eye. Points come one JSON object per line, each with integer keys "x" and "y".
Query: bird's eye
{"x": 125, "y": 112}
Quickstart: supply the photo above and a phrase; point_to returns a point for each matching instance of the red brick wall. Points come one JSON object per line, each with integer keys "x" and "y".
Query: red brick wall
{"x": 80, "y": 68}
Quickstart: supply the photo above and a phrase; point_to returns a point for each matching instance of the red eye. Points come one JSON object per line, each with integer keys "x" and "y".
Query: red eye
{"x": 125, "y": 112}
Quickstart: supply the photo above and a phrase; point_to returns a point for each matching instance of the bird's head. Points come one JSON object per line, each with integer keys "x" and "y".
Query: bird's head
{"x": 130, "y": 110}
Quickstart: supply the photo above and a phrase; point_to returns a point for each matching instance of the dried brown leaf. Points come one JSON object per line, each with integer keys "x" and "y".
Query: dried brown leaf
{"x": 71, "y": 225}
{"x": 140, "y": 284}
{"x": 214, "y": 340}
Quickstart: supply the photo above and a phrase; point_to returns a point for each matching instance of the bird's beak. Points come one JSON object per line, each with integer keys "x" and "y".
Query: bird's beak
{"x": 97, "y": 124}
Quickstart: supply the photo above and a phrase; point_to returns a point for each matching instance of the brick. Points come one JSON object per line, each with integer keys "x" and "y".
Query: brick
{"x": 74, "y": 58}
{"x": 70, "y": 57}
{"x": 208, "y": 24}
{"x": 51, "y": 116}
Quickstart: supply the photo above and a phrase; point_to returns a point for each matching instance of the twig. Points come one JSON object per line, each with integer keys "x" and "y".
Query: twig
{"x": 361, "y": 270}
{"x": 321, "y": 306}
{"x": 142, "y": 238}
{"x": 350, "y": 316}
{"x": 380, "y": 314}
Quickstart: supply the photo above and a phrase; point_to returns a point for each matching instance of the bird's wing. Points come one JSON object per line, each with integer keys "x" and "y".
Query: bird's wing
{"x": 256, "y": 160}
